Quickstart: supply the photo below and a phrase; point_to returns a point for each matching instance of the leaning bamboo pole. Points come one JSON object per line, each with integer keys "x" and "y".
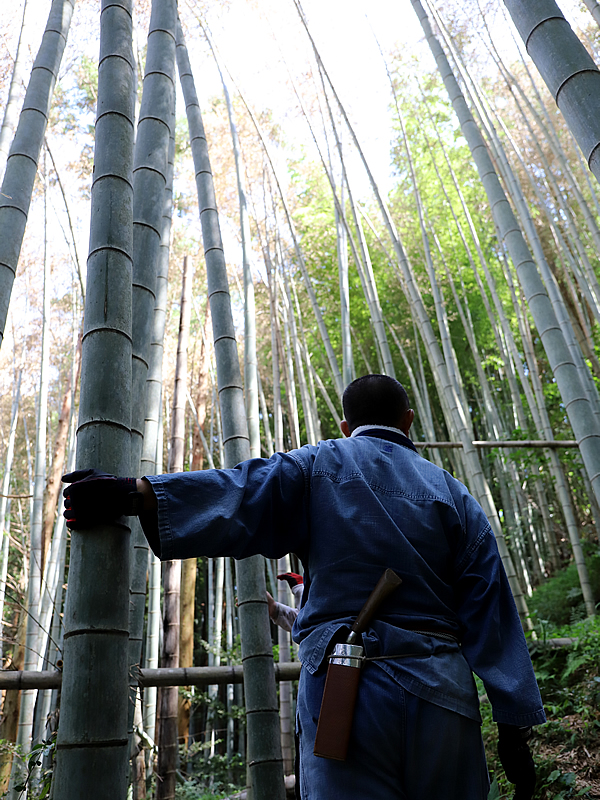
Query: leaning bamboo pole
{"x": 567, "y": 69}
{"x": 21, "y": 167}
{"x": 92, "y": 743}
{"x": 359, "y": 246}
{"x": 331, "y": 357}
{"x": 4, "y": 500}
{"x": 594, "y": 8}
{"x": 590, "y": 283}
{"x": 264, "y": 749}
{"x": 537, "y": 406}
{"x": 34, "y": 582}
{"x": 579, "y": 410}
{"x": 250, "y": 357}
{"x": 17, "y": 78}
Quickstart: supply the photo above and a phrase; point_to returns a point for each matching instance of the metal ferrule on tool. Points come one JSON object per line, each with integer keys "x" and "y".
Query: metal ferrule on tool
{"x": 347, "y": 655}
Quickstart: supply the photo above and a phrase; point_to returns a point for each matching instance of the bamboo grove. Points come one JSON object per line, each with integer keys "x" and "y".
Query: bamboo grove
{"x": 235, "y": 283}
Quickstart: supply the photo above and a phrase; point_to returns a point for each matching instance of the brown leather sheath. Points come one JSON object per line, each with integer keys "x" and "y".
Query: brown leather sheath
{"x": 337, "y": 711}
{"x": 343, "y": 674}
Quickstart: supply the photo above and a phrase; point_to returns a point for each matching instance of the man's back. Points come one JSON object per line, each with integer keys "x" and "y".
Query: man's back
{"x": 374, "y": 503}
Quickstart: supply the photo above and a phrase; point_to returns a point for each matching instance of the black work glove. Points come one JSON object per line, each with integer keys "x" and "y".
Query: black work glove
{"x": 95, "y": 497}
{"x": 516, "y": 759}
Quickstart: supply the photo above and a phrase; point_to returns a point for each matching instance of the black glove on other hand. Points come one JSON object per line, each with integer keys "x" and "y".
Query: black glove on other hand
{"x": 516, "y": 759}
{"x": 94, "y": 497}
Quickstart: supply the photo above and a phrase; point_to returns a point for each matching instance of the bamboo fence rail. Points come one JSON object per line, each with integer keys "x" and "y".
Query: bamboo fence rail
{"x": 183, "y": 676}
{"x": 550, "y": 443}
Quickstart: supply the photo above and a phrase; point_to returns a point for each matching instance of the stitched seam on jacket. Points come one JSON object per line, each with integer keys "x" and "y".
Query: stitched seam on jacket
{"x": 305, "y": 474}
{"x": 339, "y": 479}
{"x": 476, "y": 544}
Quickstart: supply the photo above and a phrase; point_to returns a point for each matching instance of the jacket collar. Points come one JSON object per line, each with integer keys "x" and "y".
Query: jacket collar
{"x": 384, "y": 432}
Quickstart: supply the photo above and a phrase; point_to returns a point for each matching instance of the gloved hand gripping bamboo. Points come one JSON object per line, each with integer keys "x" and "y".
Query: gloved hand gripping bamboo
{"x": 343, "y": 673}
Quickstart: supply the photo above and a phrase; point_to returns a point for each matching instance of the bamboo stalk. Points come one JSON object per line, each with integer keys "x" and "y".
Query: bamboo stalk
{"x": 264, "y": 749}
{"x": 17, "y": 78}
{"x": 92, "y": 744}
{"x": 34, "y": 583}
{"x": 150, "y": 171}
{"x": 579, "y": 410}
{"x": 4, "y": 526}
{"x": 567, "y": 69}
{"x": 21, "y": 167}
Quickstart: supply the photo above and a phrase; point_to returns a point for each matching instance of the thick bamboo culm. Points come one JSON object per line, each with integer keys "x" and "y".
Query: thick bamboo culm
{"x": 183, "y": 676}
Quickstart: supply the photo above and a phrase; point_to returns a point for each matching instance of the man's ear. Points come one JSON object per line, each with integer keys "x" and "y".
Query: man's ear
{"x": 407, "y": 421}
{"x": 345, "y": 428}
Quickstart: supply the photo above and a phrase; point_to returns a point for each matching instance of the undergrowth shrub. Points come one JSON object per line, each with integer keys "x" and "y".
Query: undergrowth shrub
{"x": 559, "y": 601}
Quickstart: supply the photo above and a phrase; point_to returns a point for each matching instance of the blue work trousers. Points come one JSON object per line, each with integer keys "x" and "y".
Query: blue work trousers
{"x": 401, "y": 748}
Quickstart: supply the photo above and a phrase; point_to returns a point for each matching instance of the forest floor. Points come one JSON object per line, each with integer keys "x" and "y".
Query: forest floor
{"x": 572, "y": 747}
{"x": 567, "y": 748}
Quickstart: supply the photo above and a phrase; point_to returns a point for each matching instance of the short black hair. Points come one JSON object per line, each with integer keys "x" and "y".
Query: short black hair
{"x": 374, "y": 400}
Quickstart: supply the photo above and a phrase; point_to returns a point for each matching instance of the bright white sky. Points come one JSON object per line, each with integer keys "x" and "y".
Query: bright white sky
{"x": 254, "y": 36}
{"x": 244, "y": 32}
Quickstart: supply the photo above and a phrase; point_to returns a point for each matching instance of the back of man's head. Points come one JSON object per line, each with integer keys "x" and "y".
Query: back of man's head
{"x": 375, "y": 400}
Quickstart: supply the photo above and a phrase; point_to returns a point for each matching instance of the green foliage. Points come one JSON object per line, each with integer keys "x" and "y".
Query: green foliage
{"x": 42, "y": 752}
{"x": 561, "y": 785}
{"x": 495, "y": 791}
{"x": 215, "y": 776}
{"x": 559, "y": 600}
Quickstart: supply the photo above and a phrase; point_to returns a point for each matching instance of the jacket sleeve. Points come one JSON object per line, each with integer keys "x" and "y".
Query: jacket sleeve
{"x": 258, "y": 507}
{"x": 493, "y": 642}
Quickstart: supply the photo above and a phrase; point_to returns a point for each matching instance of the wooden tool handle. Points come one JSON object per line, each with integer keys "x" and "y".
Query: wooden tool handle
{"x": 386, "y": 585}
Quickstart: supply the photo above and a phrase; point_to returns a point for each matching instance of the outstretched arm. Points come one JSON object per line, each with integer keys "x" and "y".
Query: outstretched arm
{"x": 144, "y": 487}
{"x": 257, "y": 507}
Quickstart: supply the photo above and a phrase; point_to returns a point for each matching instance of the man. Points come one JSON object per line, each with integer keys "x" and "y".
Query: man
{"x": 350, "y": 509}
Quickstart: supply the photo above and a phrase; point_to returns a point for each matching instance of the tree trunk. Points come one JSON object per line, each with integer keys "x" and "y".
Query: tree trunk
{"x": 12, "y": 702}
{"x": 186, "y": 640}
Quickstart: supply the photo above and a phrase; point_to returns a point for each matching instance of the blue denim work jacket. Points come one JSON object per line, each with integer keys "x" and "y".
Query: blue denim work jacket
{"x": 351, "y": 508}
